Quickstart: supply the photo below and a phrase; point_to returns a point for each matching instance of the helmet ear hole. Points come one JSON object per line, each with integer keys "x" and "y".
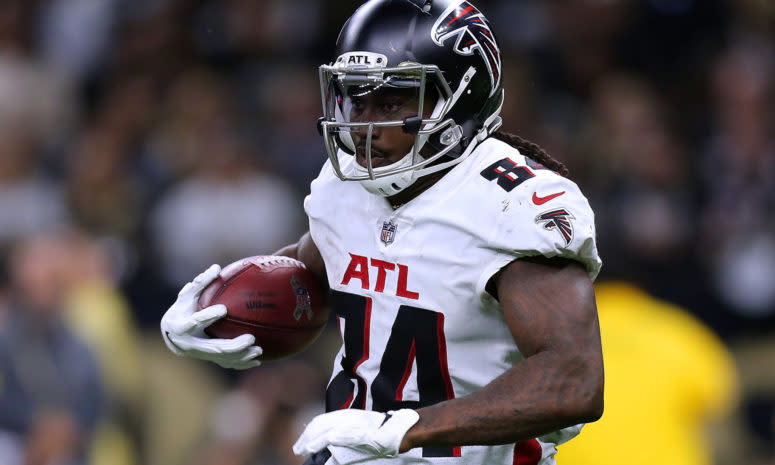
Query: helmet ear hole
{"x": 450, "y": 136}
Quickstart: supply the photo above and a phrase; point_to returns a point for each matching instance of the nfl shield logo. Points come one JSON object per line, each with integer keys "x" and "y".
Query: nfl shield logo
{"x": 303, "y": 299}
{"x": 388, "y": 232}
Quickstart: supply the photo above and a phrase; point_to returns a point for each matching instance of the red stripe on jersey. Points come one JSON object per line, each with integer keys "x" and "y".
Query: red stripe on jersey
{"x": 347, "y": 403}
{"x": 407, "y": 372}
{"x": 443, "y": 356}
{"x": 366, "y": 327}
{"x": 527, "y": 452}
{"x": 442, "y": 341}
{"x": 365, "y": 356}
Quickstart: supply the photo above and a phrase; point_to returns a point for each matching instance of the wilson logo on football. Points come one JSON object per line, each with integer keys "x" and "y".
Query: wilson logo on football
{"x": 558, "y": 220}
{"x": 473, "y": 33}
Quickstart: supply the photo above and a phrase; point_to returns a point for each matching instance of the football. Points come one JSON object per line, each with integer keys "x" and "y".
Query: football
{"x": 273, "y": 298}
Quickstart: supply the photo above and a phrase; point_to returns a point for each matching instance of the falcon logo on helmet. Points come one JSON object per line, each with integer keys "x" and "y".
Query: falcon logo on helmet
{"x": 473, "y": 33}
{"x": 558, "y": 220}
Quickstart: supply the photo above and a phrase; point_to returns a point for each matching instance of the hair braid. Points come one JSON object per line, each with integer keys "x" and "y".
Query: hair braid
{"x": 532, "y": 151}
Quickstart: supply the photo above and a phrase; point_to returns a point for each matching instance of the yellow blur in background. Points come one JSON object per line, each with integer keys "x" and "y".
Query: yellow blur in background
{"x": 667, "y": 379}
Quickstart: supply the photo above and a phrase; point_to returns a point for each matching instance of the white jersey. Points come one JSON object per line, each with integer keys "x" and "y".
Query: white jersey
{"x": 409, "y": 284}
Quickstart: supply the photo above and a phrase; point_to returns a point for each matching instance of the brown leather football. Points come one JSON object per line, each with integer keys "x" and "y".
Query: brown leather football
{"x": 273, "y": 298}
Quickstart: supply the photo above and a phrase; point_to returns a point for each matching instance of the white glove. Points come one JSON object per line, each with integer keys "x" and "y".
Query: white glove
{"x": 374, "y": 433}
{"x": 182, "y": 328}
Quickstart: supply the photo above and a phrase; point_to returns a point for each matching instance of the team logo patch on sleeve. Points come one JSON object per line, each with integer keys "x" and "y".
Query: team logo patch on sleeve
{"x": 464, "y": 21}
{"x": 558, "y": 220}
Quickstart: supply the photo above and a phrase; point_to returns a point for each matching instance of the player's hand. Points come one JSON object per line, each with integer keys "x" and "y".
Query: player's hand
{"x": 182, "y": 328}
{"x": 373, "y": 433}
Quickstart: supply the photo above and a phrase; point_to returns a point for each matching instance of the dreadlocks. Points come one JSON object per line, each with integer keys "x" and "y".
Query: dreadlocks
{"x": 532, "y": 151}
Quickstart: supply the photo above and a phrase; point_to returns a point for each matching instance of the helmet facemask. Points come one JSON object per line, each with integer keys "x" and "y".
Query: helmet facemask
{"x": 357, "y": 100}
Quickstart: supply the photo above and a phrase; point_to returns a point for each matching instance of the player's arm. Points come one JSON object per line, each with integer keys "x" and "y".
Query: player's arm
{"x": 549, "y": 306}
{"x": 306, "y": 252}
{"x": 550, "y": 309}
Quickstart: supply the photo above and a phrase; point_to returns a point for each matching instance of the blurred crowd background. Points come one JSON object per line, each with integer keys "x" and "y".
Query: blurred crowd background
{"x": 143, "y": 140}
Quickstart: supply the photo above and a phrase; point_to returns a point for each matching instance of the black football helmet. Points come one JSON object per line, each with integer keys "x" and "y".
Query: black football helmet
{"x": 445, "y": 49}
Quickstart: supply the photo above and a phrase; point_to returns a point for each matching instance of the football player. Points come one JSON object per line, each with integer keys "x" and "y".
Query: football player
{"x": 460, "y": 259}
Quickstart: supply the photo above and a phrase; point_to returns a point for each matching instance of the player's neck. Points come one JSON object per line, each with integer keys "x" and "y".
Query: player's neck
{"x": 418, "y": 187}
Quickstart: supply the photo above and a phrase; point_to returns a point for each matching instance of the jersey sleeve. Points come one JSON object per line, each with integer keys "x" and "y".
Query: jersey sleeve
{"x": 315, "y": 203}
{"x": 547, "y": 216}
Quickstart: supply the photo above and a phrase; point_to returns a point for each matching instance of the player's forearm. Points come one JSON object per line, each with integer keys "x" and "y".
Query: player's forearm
{"x": 290, "y": 250}
{"x": 306, "y": 252}
{"x": 544, "y": 393}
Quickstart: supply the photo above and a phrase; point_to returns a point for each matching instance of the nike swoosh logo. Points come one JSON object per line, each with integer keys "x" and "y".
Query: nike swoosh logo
{"x": 388, "y": 416}
{"x": 542, "y": 200}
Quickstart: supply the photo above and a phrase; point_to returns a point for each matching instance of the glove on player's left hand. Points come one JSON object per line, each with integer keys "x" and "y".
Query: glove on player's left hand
{"x": 374, "y": 433}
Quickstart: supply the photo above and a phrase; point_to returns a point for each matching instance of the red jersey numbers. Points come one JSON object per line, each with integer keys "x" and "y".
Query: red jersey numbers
{"x": 371, "y": 270}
